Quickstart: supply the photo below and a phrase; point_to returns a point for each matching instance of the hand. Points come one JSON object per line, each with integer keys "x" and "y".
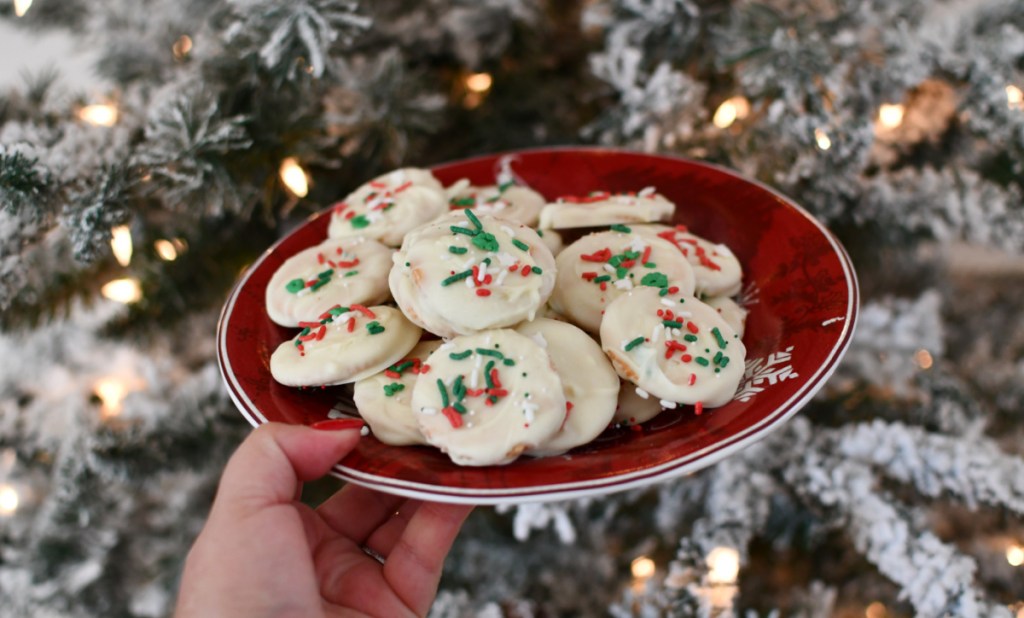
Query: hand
{"x": 264, "y": 553}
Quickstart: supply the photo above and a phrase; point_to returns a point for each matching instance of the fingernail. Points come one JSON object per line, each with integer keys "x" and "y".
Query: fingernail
{"x": 338, "y": 424}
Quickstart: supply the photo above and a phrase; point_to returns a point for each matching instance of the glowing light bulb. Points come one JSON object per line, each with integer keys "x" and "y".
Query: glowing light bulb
{"x": 111, "y": 392}
{"x": 731, "y": 110}
{"x": 125, "y": 291}
{"x": 822, "y": 139}
{"x": 294, "y": 177}
{"x": 1014, "y": 97}
{"x": 890, "y": 115}
{"x": 642, "y": 568}
{"x": 121, "y": 244}
{"x": 165, "y": 250}
{"x": 875, "y": 610}
{"x": 21, "y": 7}
{"x": 99, "y": 114}
{"x": 182, "y": 46}
{"x": 9, "y": 500}
{"x": 723, "y": 565}
{"x": 923, "y": 358}
{"x": 479, "y": 82}
{"x": 1015, "y": 555}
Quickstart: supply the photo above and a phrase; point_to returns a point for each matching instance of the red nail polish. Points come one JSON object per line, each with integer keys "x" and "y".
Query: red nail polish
{"x": 338, "y": 424}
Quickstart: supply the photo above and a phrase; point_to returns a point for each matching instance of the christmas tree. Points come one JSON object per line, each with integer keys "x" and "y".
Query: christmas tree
{"x": 124, "y": 221}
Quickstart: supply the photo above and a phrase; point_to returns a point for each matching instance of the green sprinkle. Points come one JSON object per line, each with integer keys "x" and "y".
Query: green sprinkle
{"x": 460, "y": 355}
{"x": 536, "y": 270}
{"x": 472, "y": 219}
{"x": 621, "y": 272}
{"x": 304, "y": 332}
{"x": 325, "y": 274}
{"x": 457, "y": 277}
{"x": 465, "y": 201}
{"x": 632, "y": 344}
{"x": 703, "y": 362}
{"x": 522, "y": 245}
{"x": 359, "y": 221}
{"x": 352, "y": 273}
{"x": 295, "y": 286}
{"x": 444, "y": 392}
{"x": 690, "y": 337}
{"x": 719, "y": 338}
{"x": 375, "y": 328}
{"x": 487, "y": 374}
{"x": 462, "y": 230}
{"x": 505, "y": 186}
{"x": 602, "y": 278}
{"x": 457, "y": 250}
{"x": 672, "y": 324}
{"x": 724, "y": 362}
{"x": 486, "y": 241}
{"x": 654, "y": 280}
{"x": 540, "y": 233}
{"x": 400, "y": 368}
{"x": 461, "y": 409}
{"x": 718, "y": 357}
{"x": 650, "y": 265}
{"x": 391, "y": 389}
{"x": 490, "y": 352}
{"x": 336, "y": 311}
{"x": 663, "y": 292}
{"x": 618, "y": 227}
{"x": 458, "y": 389}
{"x": 319, "y": 284}
{"x": 509, "y": 362}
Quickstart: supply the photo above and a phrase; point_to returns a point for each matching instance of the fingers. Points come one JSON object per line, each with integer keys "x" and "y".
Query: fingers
{"x": 356, "y": 511}
{"x": 386, "y": 536}
{"x": 270, "y": 465}
{"x": 413, "y": 567}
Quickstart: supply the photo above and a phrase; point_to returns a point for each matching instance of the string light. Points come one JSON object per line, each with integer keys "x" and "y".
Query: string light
{"x": 167, "y": 250}
{"x": 642, "y": 568}
{"x": 99, "y": 114}
{"x": 1014, "y": 97}
{"x": 125, "y": 291}
{"x": 890, "y": 115}
{"x": 21, "y": 7}
{"x": 723, "y": 565}
{"x": 822, "y": 139}
{"x": 111, "y": 392}
{"x": 9, "y": 500}
{"x": 479, "y": 82}
{"x": 294, "y": 177}
{"x": 182, "y": 47}
{"x": 875, "y": 610}
{"x": 924, "y": 359}
{"x": 1015, "y": 555}
{"x": 731, "y": 110}
{"x": 121, "y": 244}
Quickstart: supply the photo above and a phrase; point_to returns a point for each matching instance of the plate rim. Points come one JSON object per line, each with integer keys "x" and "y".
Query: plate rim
{"x": 705, "y": 457}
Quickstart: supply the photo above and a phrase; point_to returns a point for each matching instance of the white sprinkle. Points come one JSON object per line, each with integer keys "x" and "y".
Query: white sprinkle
{"x": 646, "y": 191}
{"x": 481, "y": 273}
{"x": 501, "y": 277}
{"x": 469, "y": 424}
{"x": 539, "y": 339}
{"x": 468, "y": 263}
{"x": 428, "y": 411}
{"x": 609, "y": 268}
{"x": 832, "y": 321}
{"x": 624, "y": 284}
{"x": 447, "y": 345}
{"x": 473, "y": 381}
{"x": 364, "y": 431}
{"x": 667, "y": 302}
{"x": 643, "y": 394}
{"x": 656, "y": 333}
{"x": 684, "y": 314}
{"x": 637, "y": 244}
{"x": 469, "y": 282}
{"x": 676, "y": 332}
{"x": 667, "y": 404}
{"x": 508, "y": 231}
{"x": 506, "y": 258}
{"x": 397, "y": 177}
{"x": 487, "y": 339}
{"x": 528, "y": 410}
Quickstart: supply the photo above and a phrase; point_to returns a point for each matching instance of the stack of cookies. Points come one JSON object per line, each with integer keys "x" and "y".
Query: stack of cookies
{"x": 449, "y": 311}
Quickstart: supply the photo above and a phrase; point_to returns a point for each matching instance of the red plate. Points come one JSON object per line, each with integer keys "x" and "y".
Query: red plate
{"x": 799, "y": 287}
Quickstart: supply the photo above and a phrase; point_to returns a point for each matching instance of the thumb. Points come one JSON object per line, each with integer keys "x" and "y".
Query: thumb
{"x": 271, "y": 463}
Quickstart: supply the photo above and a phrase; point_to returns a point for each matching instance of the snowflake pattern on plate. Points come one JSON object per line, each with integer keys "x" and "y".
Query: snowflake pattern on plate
{"x": 763, "y": 372}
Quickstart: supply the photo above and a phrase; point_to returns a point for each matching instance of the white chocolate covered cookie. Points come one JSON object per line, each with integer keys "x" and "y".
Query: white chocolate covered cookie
{"x": 734, "y": 315}
{"x": 600, "y": 267}
{"x": 508, "y": 201}
{"x": 488, "y": 398}
{"x": 344, "y": 345}
{"x": 553, "y": 240}
{"x": 717, "y": 270}
{"x": 384, "y": 400}
{"x": 389, "y": 206}
{"x": 604, "y": 208}
{"x": 588, "y": 379}
{"x": 676, "y": 348}
{"x": 464, "y": 274}
{"x": 339, "y": 271}
{"x": 635, "y": 405}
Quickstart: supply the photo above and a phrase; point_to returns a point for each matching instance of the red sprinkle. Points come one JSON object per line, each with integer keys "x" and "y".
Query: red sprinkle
{"x": 525, "y": 270}
{"x": 692, "y": 327}
{"x": 453, "y": 416}
{"x": 646, "y": 256}
{"x": 483, "y": 292}
{"x": 363, "y": 310}
{"x": 495, "y": 379}
{"x": 698, "y": 408}
{"x": 604, "y": 286}
{"x": 403, "y": 186}
{"x": 376, "y": 184}
{"x": 338, "y": 251}
{"x": 687, "y": 358}
{"x": 392, "y": 374}
{"x": 673, "y": 289}
{"x": 671, "y": 346}
{"x": 628, "y": 263}
{"x": 350, "y": 214}
{"x": 513, "y": 268}
{"x": 309, "y": 324}
{"x": 497, "y": 392}
{"x": 602, "y": 255}
{"x": 351, "y": 324}
{"x": 320, "y": 258}
{"x": 693, "y": 379}
{"x": 349, "y": 264}
{"x": 425, "y": 368}
{"x": 589, "y": 276}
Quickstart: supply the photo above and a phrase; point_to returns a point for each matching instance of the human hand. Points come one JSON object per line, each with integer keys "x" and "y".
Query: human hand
{"x": 263, "y": 553}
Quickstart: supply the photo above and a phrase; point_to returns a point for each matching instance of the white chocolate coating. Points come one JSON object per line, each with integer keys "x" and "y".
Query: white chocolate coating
{"x": 603, "y": 208}
{"x": 356, "y": 270}
{"x": 666, "y": 357}
{"x": 633, "y": 408}
{"x": 590, "y": 383}
{"x": 527, "y": 408}
{"x": 578, "y": 293}
{"x": 717, "y": 270}
{"x": 489, "y": 294}
{"x": 390, "y": 417}
{"x": 341, "y": 356}
{"x": 389, "y": 206}
{"x": 553, "y": 240}
{"x": 514, "y": 203}
{"x": 734, "y": 315}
